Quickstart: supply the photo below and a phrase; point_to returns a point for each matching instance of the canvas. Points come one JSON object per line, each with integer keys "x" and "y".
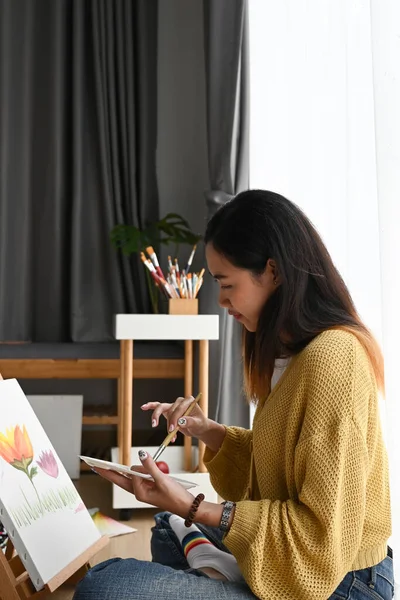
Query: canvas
{"x": 39, "y": 505}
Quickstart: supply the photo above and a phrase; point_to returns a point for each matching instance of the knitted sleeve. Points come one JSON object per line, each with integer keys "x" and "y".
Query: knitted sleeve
{"x": 229, "y": 468}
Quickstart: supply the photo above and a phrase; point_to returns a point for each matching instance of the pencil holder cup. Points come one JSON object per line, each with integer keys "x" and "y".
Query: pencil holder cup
{"x": 183, "y": 306}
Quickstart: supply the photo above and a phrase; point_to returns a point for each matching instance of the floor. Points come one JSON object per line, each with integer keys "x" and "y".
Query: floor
{"x": 96, "y": 492}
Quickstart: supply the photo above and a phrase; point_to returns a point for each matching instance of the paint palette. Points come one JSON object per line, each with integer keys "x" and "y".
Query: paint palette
{"x": 124, "y": 470}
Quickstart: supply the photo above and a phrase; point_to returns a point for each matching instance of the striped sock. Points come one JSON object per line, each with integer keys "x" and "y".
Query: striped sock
{"x": 200, "y": 552}
{"x": 194, "y": 539}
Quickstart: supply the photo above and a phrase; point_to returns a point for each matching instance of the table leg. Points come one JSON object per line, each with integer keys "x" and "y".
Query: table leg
{"x": 121, "y": 420}
{"x": 188, "y": 392}
{"x": 127, "y": 399}
{"x": 203, "y": 388}
{"x": 120, "y": 414}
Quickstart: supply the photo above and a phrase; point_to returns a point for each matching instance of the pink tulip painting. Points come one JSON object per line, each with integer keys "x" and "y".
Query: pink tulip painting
{"x": 80, "y": 507}
{"x": 48, "y": 463}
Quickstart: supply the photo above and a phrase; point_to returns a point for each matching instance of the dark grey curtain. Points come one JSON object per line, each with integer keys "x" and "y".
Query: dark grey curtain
{"x": 226, "y": 55}
{"x": 78, "y": 114}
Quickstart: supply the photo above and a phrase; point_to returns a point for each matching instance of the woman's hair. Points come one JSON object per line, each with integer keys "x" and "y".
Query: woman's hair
{"x": 312, "y": 297}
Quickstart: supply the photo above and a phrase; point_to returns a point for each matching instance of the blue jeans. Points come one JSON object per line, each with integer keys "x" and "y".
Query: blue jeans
{"x": 169, "y": 577}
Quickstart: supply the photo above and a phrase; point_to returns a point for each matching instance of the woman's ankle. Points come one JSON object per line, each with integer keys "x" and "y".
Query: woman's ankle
{"x": 213, "y": 573}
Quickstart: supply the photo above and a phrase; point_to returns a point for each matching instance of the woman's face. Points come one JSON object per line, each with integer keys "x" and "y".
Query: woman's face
{"x": 241, "y": 293}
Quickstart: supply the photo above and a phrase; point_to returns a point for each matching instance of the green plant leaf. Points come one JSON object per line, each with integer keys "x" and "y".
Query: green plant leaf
{"x": 33, "y": 472}
{"x": 173, "y": 228}
{"x": 129, "y": 239}
{"x": 152, "y": 235}
{"x": 180, "y": 219}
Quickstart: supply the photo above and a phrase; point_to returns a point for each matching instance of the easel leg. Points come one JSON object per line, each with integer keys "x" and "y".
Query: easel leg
{"x": 203, "y": 388}
{"x": 16, "y": 584}
{"x": 188, "y": 392}
{"x": 9, "y": 549}
{"x": 8, "y": 589}
{"x": 127, "y": 399}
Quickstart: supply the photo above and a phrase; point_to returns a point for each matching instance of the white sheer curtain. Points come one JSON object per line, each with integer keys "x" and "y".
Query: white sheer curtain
{"x": 325, "y": 131}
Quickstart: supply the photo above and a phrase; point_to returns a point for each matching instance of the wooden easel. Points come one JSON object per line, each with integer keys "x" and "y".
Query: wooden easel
{"x": 16, "y": 584}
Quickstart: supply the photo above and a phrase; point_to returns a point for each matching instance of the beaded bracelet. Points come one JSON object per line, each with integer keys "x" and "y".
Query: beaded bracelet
{"x": 193, "y": 509}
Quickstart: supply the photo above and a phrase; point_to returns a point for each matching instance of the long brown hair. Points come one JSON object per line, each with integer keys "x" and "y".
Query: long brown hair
{"x": 312, "y": 297}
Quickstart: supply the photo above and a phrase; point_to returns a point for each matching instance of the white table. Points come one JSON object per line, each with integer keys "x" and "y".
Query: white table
{"x": 189, "y": 328}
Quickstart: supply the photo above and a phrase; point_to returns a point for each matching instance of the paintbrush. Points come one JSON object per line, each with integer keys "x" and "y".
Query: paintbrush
{"x": 153, "y": 256}
{"x": 173, "y": 433}
{"x": 189, "y": 262}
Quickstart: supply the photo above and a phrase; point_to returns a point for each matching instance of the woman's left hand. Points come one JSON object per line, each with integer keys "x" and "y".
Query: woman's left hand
{"x": 163, "y": 492}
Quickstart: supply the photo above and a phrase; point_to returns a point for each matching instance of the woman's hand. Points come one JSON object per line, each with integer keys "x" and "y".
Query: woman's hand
{"x": 163, "y": 492}
{"x": 195, "y": 425}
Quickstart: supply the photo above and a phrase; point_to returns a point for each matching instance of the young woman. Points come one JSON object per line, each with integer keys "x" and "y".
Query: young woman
{"x": 308, "y": 511}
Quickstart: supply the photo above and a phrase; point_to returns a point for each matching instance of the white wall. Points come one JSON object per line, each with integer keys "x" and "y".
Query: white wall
{"x": 312, "y": 129}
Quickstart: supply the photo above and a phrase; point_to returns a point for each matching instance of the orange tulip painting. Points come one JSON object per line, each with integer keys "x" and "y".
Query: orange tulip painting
{"x": 16, "y": 449}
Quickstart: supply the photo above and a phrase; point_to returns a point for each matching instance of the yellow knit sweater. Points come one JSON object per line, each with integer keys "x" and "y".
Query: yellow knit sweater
{"x": 319, "y": 504}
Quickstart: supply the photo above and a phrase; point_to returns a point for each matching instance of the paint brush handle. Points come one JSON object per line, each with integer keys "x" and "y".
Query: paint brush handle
{"x": 173, "y": 433}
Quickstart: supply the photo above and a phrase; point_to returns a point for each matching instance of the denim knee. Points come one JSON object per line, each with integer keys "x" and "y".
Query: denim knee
{"x": 162, "y": 519}
{"x": 103, "y": 581}
{"x": 131, "y": 579}
{"x": 164, "y": 543}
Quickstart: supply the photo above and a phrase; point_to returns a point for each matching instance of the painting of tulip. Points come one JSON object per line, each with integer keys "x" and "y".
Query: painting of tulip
{"x": 38, "y": 501}
{"x": 16, "y": 449}
{"x": 48, "y": 463}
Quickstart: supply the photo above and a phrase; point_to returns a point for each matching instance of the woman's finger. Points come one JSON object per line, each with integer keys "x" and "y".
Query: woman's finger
{"x": 164, "y": 409}
{"x": 150, "y": 405}
{"x": 174, "y": 407}
{"x": 142, "y": 487}
{"x": 177, "y": 411}
{"x": 185, "y": 423}
{"x": 138, "y": 468}
{"x": 159, "y": 410}
{"x": 171, "y": 412}
{"x": 151, "y": 467}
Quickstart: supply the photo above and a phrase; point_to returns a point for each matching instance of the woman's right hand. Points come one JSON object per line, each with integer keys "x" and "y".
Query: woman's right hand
{"x": 196, "y": 425}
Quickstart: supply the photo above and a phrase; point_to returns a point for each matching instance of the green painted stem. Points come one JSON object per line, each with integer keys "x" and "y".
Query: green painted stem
{"x": 38, "y": 497}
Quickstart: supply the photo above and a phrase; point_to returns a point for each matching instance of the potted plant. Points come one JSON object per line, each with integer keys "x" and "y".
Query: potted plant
{"x": 172, "y": 229}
